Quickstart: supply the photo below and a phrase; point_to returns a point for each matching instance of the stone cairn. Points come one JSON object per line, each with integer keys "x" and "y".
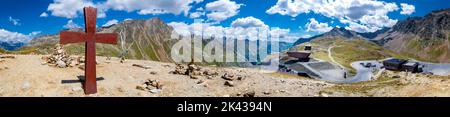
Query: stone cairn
{"x": 61, "y": 59}
{"x": 194, "y": 71}
{"x": 153, "y": 86}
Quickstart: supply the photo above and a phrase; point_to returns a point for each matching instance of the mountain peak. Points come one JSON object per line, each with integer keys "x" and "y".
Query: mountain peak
{"x": 156, "y": 19}
{"x": 339, "y": 31}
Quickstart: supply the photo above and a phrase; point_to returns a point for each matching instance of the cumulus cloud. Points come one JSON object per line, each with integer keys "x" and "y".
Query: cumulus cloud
{"x": 314, "y": 26}
{"x": 15, "y": 22}
{"x": 127, "y": 19}
{"x": 71, "y": 25}
{"x": 9, "y": 36}
{"x": 110, "y": 23}
{"x": 198, "y": 13}
{"x": 68, "y": 8}
{"x": 73, "y": 8}
{"x": 248, "y": 22}
{"x": 377, "y": 21}
{"x": 44, "y": 14}
{"x": 145, "y": 7}
{"x": 222, "y": 9}
{"x": 355, "y": 11}
{"x": 407, "y": 9}
{"x": 360, "y": 28}
{"x": 250, "y": 28}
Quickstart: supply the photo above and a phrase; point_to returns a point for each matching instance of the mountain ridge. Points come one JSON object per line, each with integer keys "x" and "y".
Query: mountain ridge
{"x": 138, "y": 39}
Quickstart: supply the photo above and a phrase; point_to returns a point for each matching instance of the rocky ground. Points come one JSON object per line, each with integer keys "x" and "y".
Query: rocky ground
{"x": 33, "y": 75}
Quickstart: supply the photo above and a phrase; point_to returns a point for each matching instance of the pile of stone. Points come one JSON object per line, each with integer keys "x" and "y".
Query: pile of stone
{"x": 180, "y": 69}
{"x": 247, "y": 94}
{"x": 153, "y": 86}
{"x": 194, "y": 71}
{"x": 230, "y": 78}
{"x": 61, "y": 59}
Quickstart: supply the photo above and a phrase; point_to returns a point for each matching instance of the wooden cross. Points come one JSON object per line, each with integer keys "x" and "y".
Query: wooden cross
{"x": 90, "y": 38}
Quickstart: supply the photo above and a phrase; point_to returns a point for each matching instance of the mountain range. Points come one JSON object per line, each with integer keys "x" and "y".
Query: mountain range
{"x": 138, "y": 39}
{"x": 11, "y": 45}
{"x": 423, "y": 38}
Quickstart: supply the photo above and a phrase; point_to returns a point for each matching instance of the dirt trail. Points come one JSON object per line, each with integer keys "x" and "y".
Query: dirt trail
{"x": 27, "y": 76}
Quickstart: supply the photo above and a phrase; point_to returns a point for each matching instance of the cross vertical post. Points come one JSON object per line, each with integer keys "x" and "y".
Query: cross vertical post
{"x": 89, "y": 38}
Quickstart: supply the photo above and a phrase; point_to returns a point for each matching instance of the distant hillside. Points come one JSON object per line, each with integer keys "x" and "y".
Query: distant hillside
{"x": 144, "y": 40}
{"x": 426, "y": 38}
{"x": 2, "y": 50}
{"x": 334, "y": 33}
{"x": 138, "y": 39}
{"x": 11, "y": 45}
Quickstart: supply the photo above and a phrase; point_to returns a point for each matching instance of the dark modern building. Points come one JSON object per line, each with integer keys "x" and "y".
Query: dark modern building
{"x": 308, "y": 48}
{"x": 411, "y": 67}
{"x": 302, "y": 56}
{"x": 394, "y": 64}
{"x": 402, "y": 65}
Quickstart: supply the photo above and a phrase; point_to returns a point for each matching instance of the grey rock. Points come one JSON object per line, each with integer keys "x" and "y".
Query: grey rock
{"x": 155, "y": 91}
{"x": 61, "y": 64}
{"x": 229, "y": 83}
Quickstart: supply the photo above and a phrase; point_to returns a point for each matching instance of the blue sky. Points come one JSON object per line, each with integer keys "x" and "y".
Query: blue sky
{"x": 298, "y": 18}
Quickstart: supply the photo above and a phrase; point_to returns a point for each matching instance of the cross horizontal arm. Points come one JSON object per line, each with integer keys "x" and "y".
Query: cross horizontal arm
{"x": 107, "y": 38}
{"x": 67, "y": 37}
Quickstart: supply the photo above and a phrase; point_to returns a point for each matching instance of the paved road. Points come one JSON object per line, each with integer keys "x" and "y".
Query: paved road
{"x": 437, "y": 69}
{"x": 363, "y": 73}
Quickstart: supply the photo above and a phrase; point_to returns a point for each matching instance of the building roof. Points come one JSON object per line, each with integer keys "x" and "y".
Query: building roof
{"x": 300, "y": 54}
{"x": 397, "y": 61}
{"x": 410, "y": 64}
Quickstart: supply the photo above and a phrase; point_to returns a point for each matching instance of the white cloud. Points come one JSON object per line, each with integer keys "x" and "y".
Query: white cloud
{"x": 222, "y": 9}
{"x": 314, "y": 26}
{"x": 248, "y": 22}
{"x": 127, "y": 19}
{"x": 44, "y": 14}
{"x": 68, "y": 8}
{"x": 15, "y": 22}
{"x": 9, "y": 36}
{"x": 71, "y": 25}
{"x": 377, "y": 21}
{"x": 73, "y": 8}
{"x": 306, "y": 36}
{"x": 356, "y": 11}
{"x": 110, "y": 23}
{"x": 359, "y": 28}
{"x": 145, "y": 7}
{"x": 407, "y": 9}
{"x": 250, "y": 30}
{"x": 180, "y": 27}
{"x": 196, "y": 14}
